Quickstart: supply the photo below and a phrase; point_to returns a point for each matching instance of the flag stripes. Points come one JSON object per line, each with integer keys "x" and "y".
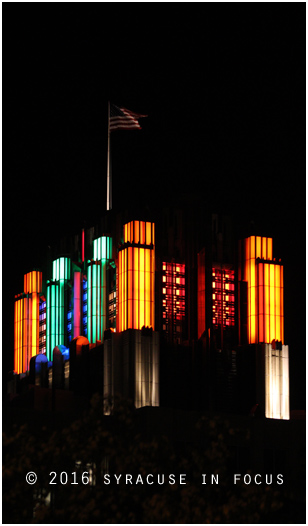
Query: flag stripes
{"x": 123, "y": 119}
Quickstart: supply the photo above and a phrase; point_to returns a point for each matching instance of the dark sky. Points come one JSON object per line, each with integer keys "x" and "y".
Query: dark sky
{"x": 223, "y": 86}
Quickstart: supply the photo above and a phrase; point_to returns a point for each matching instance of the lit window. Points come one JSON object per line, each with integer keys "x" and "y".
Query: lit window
{"x": 173, "y": 310}
{"x": 223, "y": 303}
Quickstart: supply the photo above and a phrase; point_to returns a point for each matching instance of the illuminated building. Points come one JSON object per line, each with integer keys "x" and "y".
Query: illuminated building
{"x": 136, "y": 271}
{"x": 177, "y": 276}
{"x": 173, "y": 299}
{"x": 26, "y": 321}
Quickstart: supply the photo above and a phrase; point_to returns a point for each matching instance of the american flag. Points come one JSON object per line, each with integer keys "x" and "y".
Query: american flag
{"x": 123, "y": 119}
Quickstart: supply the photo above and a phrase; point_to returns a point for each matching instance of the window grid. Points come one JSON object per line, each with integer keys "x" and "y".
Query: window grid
{"x": 223, "y": 297}
{"x": 173, "y": 298}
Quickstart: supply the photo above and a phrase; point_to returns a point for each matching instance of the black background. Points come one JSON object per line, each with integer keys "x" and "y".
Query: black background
{"x": 223, "y": 86}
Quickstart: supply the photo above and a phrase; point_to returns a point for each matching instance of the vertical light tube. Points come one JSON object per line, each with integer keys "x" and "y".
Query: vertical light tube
{"x": 15, "y": 336}
{"x": 142, "y": 232}
{"x": 25, "y": 332}
{"x": 125, "y": 289}
{"x": 77, "y": 304}
{"x": 148, "y": 287}
{"x": 281, "y": 304}
{"x": 136, "y": 238}
{"x": 18, "y": 335}
{"x": 266, "y": 302}
{"x": 48, "y": 320}
{"x": 258, "y": 247}
{"x": 264, "y": 248}
{"x": 21, "y": 334}
{"x": 277, "y": 302}
{"x": 141, "y": 287}
{"x": 261, "y": 303}
{"x": 89, "y": 303}
{"x": 269, "y": 248}
{"x": 148, "y": 234}
{"x": 119, "y": 292}
{"x": 130, "y": 287}
{"x": 94, "y": 293}
{"x": 152, "y": 259}
{"x": 35, "y": 324}
{"x": 272, "y": 303}
{"x": 136, "y": 287}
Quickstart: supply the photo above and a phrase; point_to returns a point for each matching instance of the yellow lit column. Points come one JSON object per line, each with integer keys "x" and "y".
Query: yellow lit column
{"x": 270, "y": 302}
{"x": 264, "y": 280}
{"x": 136, "y": 263}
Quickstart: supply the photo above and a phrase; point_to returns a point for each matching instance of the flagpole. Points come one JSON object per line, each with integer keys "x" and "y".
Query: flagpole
{"x": 109, "y": 203}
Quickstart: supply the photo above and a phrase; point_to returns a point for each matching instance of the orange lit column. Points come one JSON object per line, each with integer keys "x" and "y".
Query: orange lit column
{"x": 26, "y": 322}
{"x": 270, "y": 301}
{"x": 136, "y": 266}
{"x": 19, "y": 333}
{"x": 256, "y": 247}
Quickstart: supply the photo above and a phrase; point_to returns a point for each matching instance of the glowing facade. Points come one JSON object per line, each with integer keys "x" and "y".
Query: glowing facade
{"x": 173, "y": 299}
{"x": 136, "y": 269}
{"x": 265, "y": 320}
{"x": 264, "y": 279}
{"x": 26, "y": 322}
{"x": 116, "y": 290}
{"x": 269, "y": 299}
{"x": 221, "y": 303}
{"x": 277, "y": 381}
{"x": 223, "y": 297}
{"x": 97, "y": 289}
{"x": 56, "y": 305}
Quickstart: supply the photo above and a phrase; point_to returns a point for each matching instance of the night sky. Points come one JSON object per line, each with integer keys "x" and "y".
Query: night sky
{"x": 223, "y": 86}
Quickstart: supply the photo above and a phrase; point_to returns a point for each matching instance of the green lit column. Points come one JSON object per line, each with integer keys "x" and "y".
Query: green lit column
{"x": 97, "y": 299}
{"x": 56, "y": 308}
